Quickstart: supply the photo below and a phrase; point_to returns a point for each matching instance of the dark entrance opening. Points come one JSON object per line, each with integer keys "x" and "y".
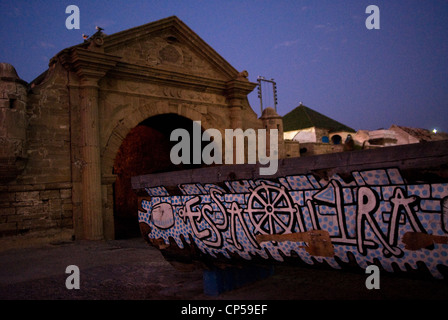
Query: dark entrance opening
{"x": 146, "y": 149}
{"x": 336, "y": 139}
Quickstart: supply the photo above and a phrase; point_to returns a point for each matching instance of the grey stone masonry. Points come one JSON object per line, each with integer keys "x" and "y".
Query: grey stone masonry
{"x": 35, "y": 207}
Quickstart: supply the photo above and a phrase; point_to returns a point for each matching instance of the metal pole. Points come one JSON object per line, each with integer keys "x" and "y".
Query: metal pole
{"x": 260, "y": 93}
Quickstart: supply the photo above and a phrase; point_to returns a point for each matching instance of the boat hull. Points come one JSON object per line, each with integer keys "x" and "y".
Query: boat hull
{"x": 387, "y": 207}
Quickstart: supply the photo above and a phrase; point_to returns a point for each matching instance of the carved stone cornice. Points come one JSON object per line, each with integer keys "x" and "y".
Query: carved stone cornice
{"x": 239, "y": 89}
{"x": 178, "y": 30}
{"x": 163, "y": 77}
{"x": 87, "y": 64}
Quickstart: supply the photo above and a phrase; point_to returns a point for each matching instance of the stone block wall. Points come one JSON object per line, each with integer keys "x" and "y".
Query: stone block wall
{"x": 35, "y": 208}
{"x": 310, "y": 149}
{"x": 292, "y": 149}
{"x": 39, "y": 199}
{"x": 48, "y": 132}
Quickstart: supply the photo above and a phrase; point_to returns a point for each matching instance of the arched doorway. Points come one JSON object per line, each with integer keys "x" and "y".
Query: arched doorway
{"x": 336, "y": 139}
{"x": 146, "y": 149}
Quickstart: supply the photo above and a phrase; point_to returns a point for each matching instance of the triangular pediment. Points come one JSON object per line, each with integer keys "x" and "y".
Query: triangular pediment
{"x": 169, "y": 44}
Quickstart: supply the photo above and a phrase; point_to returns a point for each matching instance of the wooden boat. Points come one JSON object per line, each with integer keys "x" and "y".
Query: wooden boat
{"x": 387, "y": 207}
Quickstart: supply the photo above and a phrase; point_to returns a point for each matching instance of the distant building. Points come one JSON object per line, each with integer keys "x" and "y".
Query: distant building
{"x": 375, "y": 138}
{"x": 316, "y": 133}
{"x": 319, "y": 134}
{"x": 407, "y": 135}
{"x": 395, "y": 135}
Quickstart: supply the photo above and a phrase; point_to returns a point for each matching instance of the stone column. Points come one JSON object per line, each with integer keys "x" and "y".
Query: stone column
{"x": 236, "y": 91}
{"x": 235, "y": 114}
{"x": 271, "y": 120}
{"x": 236, "y": 123}
{"x": 91, "y": 168}
{"x": 90, "y": 65}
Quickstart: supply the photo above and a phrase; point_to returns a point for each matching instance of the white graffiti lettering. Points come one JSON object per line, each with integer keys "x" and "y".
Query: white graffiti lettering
{"x": 374, "y": 215}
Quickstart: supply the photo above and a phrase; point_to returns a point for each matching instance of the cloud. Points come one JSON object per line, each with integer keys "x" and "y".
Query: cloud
{"x": 357, "y": 18}
{"x": 45, "y": 44}
{"x": 42, "y": 45}
{"x": 328, "y": 27}
{"x": 288, "y": 43}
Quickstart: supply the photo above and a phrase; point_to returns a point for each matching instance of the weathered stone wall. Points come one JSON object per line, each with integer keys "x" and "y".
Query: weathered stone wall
{"x": 48, "y": 131}
{"x": 40, "y": 197}
{"x": 292, "y": 149}
{"x": 13, "y": 123}
{"x": 309, "y": 149}
{"x": 35, "y": 208}
{"x": 82, "y": 108}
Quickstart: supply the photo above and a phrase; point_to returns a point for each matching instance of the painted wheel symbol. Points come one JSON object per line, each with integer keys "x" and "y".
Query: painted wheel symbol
{"x": 270, "y": 209}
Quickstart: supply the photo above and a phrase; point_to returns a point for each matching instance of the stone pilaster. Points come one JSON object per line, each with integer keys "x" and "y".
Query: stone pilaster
{"x": 91, "y": 66}
{"x": 91, "y": 169}
{"x": 271, "y": 120}
{"x": 237, "y": 90}
{"x": 235, "y": 110}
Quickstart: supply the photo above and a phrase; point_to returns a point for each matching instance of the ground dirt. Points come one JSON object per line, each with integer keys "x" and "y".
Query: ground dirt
{"x": 132, "y": 270}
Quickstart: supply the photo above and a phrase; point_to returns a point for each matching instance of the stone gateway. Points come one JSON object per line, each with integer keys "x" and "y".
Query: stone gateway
{"x": 71, "y": 139}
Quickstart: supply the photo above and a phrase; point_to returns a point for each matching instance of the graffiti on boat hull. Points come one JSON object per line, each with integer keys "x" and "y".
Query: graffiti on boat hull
{"x": 376, "y": 216}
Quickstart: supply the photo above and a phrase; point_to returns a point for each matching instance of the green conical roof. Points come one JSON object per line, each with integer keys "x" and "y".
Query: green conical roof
{"x": 303, "y": 117}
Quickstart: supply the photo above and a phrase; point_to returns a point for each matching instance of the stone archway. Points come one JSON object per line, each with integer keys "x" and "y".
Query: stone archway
{"x": 145, "y": 149}
{"x": 94, "y": 93}
{"x": 137, "y": 112}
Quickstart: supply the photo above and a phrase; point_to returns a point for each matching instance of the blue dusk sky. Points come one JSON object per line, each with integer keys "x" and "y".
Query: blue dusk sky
{"x": 319, "y": 52}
